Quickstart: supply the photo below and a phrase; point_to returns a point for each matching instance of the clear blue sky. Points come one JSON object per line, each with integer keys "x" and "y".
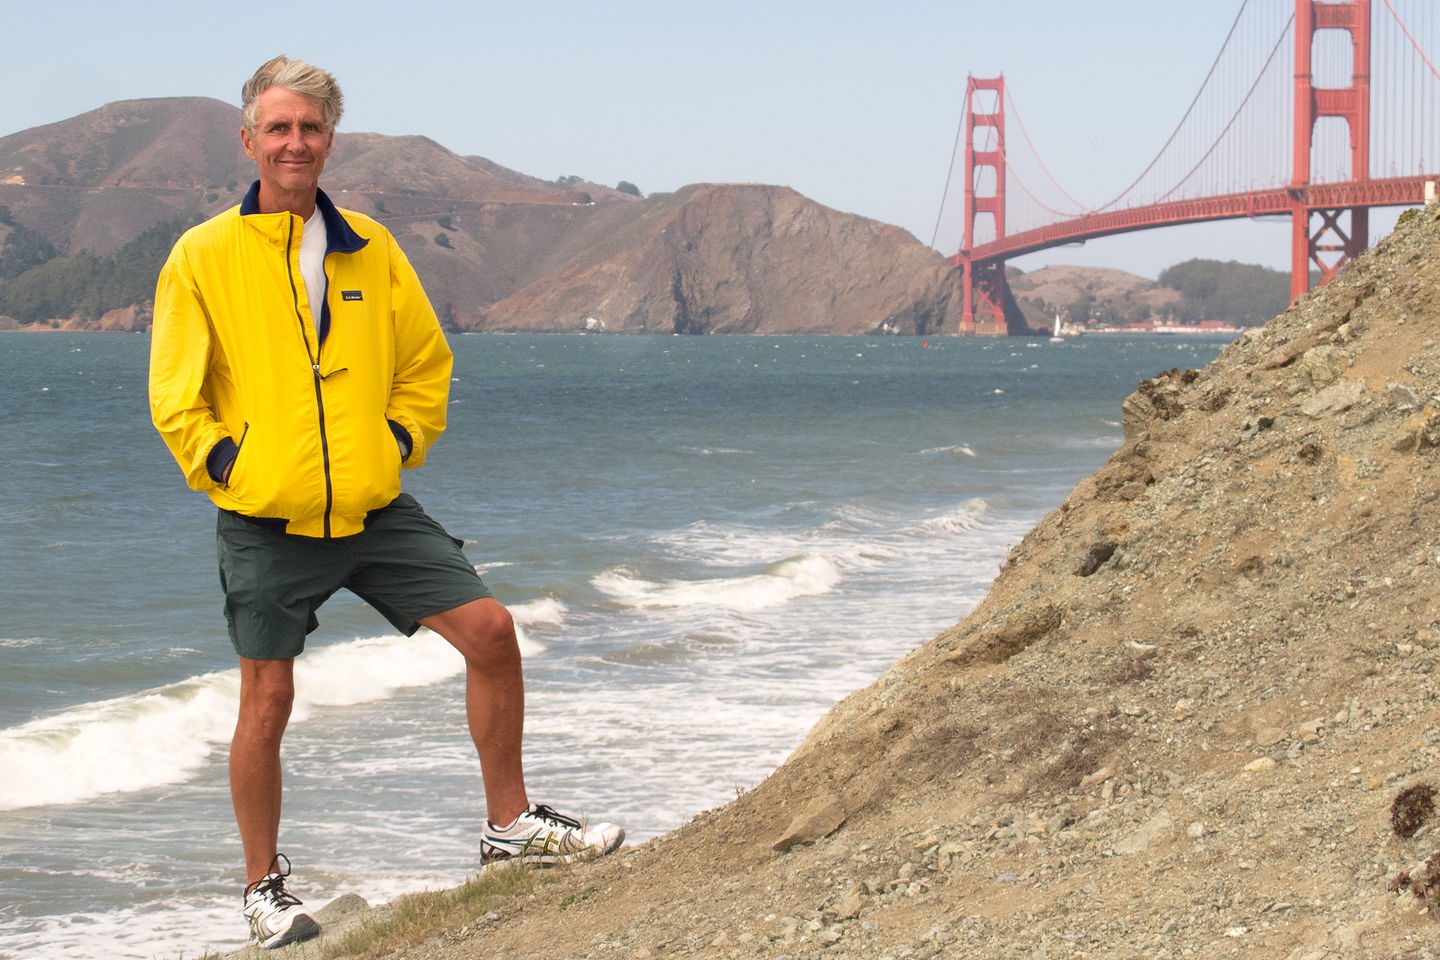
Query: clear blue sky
{"x": 854, "y": 103}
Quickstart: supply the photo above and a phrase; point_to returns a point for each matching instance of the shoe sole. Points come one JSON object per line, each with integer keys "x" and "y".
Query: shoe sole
{"x": 553, "y": 860}
{"x": 302, "y": 928}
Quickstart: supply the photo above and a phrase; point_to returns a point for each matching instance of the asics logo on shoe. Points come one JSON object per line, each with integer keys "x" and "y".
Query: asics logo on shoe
{"x": 544, "y": 837}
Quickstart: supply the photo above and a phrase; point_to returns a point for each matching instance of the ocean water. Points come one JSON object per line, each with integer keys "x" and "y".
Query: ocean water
{"x": 706, "y": 543}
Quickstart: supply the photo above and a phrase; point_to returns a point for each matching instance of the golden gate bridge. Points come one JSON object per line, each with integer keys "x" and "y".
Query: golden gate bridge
{"x": 1316, "y": 111}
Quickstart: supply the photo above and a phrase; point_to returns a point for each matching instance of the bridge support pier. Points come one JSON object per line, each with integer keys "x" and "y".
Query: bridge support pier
{"x": 986, "y": 294}
{"x": 1328, "y": 248}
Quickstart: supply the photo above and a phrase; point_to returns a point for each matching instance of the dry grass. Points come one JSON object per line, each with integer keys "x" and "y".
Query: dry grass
{"x": 414, "y": 917}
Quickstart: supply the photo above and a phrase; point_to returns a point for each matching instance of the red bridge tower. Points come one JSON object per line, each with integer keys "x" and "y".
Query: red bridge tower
{"x": 985, "y": 289}
{"x": 1350, "y": 103}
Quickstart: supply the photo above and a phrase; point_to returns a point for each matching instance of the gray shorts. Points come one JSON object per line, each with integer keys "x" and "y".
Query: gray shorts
{"x": 403, "y": 564}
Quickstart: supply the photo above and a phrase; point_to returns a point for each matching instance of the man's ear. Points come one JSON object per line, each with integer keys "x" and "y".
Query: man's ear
{"x": 245, "y": 142}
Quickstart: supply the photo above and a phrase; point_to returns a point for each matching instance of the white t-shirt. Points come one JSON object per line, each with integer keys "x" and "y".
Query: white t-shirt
{"x": 312, "y": 266}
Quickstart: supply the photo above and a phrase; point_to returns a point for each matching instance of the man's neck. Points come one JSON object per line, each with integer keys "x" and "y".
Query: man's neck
{"x": 301, "y": 204}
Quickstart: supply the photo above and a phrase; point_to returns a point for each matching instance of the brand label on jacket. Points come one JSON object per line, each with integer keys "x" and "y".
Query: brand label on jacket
{"x": 350, "y": 295}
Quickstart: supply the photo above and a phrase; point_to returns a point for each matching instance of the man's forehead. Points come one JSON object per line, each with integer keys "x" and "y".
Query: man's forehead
{"x": 282, "y": 103}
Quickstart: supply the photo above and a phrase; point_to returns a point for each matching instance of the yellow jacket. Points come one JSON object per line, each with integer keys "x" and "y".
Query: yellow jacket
{"x": 314, "y": 434}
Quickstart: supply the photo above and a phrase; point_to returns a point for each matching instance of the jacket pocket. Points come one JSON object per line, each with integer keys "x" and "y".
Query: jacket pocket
{"x": 220, "y": 462}
{"x": 239, "y": 449}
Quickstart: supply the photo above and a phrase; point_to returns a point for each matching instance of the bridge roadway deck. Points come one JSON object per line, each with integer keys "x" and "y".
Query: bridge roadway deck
{"x": 1397, "y": 191}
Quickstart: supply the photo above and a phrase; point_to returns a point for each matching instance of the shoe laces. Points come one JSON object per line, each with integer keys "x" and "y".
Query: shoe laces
{"x": 542, "y": 812}
{"x": 272, "y": 885}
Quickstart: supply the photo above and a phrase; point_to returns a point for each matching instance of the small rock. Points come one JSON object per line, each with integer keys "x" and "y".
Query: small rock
{"x": 1323, "y": 365}
{"x": 1269, "y": 736}
{"x": 1336, "y": 398}
{"x": 1157, "y": 829}
{"x": 1264, "y": 763}
{"x": 850, "y": 903}
{"x": 1402, "y": 396}
{"x": 822, "y": 816}
{"x": 341, "y": 906}
{"x": 948, "y": 852}
{"x": 1279, "y": 357}
{"x": 1195, "y": 831}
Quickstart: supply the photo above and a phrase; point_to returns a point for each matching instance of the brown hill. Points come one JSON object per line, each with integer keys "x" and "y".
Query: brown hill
{"x": 745, "y": 259}
{"x": 1173, "y": 728}
{"x": 500, "y": 250}
{"x": 1043, "y": 292}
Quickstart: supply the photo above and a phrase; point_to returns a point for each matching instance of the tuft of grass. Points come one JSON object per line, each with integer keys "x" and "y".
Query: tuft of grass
{"x": 572, "y": 899}
{"x": 416, "y": 916}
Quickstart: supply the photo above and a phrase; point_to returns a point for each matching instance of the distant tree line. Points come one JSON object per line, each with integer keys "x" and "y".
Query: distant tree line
{"x": 624, "y": 186}
{"x": 1244, "y": 294}
{"x": 36, "y": 284}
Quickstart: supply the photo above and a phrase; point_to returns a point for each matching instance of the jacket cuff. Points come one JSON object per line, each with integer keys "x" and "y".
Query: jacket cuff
{"x": 402, "y": 437}
{"x": 221, "y": 456}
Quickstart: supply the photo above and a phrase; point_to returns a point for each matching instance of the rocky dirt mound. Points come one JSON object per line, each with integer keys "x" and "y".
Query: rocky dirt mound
{"x": 1174, "y": 727}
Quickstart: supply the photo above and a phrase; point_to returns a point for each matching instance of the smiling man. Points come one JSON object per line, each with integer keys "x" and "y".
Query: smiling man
{"x": 296, "y": 367}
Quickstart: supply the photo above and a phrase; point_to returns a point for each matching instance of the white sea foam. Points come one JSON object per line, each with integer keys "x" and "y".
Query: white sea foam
{"x": 799, "y": 576}
{"x": 17, "y": 642}
{"x": 165, "y": 735}
{"x": 955, "y": 448}
{"x": 371, "y": 669}
{"x": 542, "y": 610}
{"x": 958, "y": 520}
{"x": 129, "y": 743}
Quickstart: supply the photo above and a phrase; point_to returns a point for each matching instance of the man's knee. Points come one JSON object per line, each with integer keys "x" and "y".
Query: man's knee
{"x": 267, "y": 695}
{"x": 482, "y": 630}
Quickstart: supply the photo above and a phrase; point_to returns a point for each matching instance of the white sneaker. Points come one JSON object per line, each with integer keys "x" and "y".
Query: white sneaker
{"x": 543, "y": 837}
{"x": 276, "y": 916}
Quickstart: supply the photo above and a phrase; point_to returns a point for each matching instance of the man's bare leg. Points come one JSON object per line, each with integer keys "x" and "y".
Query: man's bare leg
{"x": 484, "y": 633}
{"x": 267, "y": 692}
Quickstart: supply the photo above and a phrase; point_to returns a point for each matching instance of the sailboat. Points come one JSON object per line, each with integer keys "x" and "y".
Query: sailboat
{"x": 1055, "y": 337}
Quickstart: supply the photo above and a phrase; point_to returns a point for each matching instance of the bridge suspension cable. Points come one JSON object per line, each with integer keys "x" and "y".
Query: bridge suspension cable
{"x": 1229, "y": 124}
{"x": 1411, "y": 37}
{"x": 1209, "y": 75}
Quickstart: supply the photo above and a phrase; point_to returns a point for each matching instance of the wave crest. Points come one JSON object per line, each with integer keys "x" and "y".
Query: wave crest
{"x": 166, "y": 734}
{"x": 799, "y": 576}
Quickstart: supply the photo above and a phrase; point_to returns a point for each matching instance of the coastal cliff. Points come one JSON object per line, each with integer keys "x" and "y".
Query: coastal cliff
{"x": 1175, "y": 726}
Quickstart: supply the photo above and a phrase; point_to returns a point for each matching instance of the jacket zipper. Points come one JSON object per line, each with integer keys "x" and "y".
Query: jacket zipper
{"x": 315, "y": 370}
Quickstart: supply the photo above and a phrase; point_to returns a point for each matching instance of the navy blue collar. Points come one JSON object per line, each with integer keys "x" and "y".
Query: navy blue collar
{"x": 340, "y": 237}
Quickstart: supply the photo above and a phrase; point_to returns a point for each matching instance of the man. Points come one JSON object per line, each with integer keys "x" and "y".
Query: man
{"x": 296, "y": 367}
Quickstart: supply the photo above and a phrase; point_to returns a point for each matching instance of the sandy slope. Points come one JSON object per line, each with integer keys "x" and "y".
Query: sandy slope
{"x": 1173, "y": 728}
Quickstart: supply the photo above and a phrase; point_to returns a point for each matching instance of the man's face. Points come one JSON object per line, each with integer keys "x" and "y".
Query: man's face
{"x": 290, "y": 144}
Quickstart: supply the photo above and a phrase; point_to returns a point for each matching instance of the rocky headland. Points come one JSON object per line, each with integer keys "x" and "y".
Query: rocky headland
{"x": 1175, "y": 727}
